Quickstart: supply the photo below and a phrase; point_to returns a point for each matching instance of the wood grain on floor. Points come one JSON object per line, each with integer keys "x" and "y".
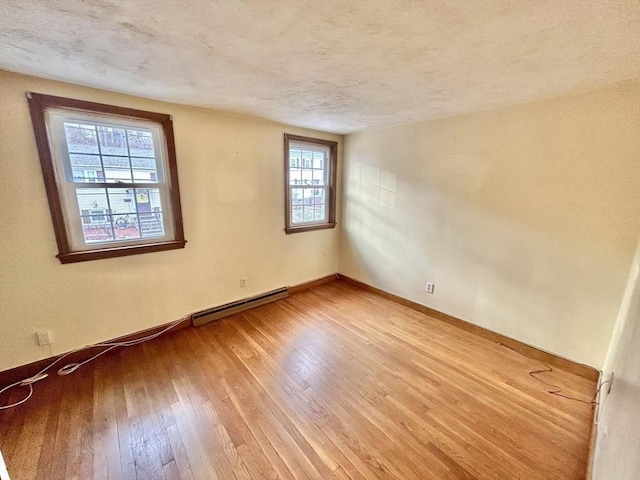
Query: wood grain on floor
{"x": 331, "y": 383}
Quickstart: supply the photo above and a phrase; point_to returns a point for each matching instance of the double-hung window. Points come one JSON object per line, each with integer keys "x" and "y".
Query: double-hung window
{"x": 111, "y": 178}
{"x": 310, "y": 178}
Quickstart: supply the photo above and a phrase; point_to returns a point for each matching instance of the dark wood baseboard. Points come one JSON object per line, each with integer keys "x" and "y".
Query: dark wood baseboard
{"x": 551, "y": 358}
{"x": 313, "y": 283}
{"x": 320, "y": 373}
{"x": 21, "y": 372}
{"x": 25, "y": 371}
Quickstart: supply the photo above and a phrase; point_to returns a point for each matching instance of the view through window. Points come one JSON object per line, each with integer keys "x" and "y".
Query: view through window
{"x": 111, "y": 178}
{"x": 310, "y": 179}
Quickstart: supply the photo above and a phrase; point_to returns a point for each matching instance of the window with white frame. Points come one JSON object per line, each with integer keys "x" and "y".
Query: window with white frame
{"x": 310, "y": 176}
{"x": 111, "y": 178}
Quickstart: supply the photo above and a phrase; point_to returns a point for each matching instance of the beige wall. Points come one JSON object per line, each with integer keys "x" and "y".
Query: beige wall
{"x": 525, "y": 217}
{"x": 231, "y": 179}
{"x": 618, "y": 430}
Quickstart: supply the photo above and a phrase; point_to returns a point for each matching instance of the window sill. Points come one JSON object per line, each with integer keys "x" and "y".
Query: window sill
{"x": 308, "y": 228}
{"x": 98, "y": 254}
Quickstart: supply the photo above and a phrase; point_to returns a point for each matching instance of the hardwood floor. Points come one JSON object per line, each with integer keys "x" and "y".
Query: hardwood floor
{"x": 331, "y": 383}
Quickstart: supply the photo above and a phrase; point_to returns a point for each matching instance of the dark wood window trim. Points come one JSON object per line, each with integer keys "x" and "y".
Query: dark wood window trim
{"x": 37, "y": 105}
{"x": 333, "y": 167}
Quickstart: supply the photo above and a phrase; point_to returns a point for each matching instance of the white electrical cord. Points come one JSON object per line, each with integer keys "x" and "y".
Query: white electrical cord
{"x": 72, "y": 367}
{"x": 11, "y": 405}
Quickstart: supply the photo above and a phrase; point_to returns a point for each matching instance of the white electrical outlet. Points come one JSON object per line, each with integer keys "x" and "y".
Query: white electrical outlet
{"x": 243, "y": 282}
{"x": 44, "y": 337}
{"x": 429, "y": 288}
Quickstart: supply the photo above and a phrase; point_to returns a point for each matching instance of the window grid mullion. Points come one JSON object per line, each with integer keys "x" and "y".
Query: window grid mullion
{"x": 301, "y": 167}
{"x": 135, "y": 201}
{"x": 126, "y": 139}
{"x": 104, "y": 174}
{"x": 109, "y": 210}
{"x": 312, "y": 206}
{"x": 120, "y": 185}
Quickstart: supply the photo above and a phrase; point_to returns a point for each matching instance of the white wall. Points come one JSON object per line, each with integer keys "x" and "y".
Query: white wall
{"x": 231, "y": 171}
{"x": 525, "y": 217}
{"x": 617, "y": 454}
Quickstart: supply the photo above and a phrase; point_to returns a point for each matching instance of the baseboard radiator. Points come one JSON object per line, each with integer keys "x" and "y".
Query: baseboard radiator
{"x": 216, "y": 313}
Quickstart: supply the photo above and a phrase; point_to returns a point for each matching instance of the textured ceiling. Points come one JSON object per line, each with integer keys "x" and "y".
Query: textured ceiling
{"x": 334, "y": 65}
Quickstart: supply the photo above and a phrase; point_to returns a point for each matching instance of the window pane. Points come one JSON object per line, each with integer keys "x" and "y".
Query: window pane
{"x": 296, "y": 214}
{"x": 144, "y": 170}
{"x": 114, "y": 175}
{"x": 294, "y": 158}
{"x": 82, "y": 176}
{"x": 94, "y": 211}
{"x": 113, "y": 141}
{"x": 95, "y": 231}
{"x": 307, "y": 177}
{"x": 308, "y": 196}
{"x": 318, "y": 159}
{"x": 125, "y": 227}
{"x": 143, "y": 200}
{"x": 116, "y": 162}
{"x": 122, "y": 200}
{"x": 81, "y": 140}
{"x": 308, "y": 213}
{"x": 91, "y": 200}
{"x": 116, "y": 169}
{"x": 318, "y": 195}
{"x": 140, "y": 143}
{"x": 151, "y": 225}
{"x": 143, "y": 163}
{"x": 154, "y": 197}
{"x": 145, "y": 176}
{"x": 79, "y": 160}
{"x": 96, "y": 204}
{"x": 296, "y": 196}
{"x": 307, "y": 159}
{"x": 319, "y": 177}
{"x": 295, "y": 176}
{"x": 318, "y": 212}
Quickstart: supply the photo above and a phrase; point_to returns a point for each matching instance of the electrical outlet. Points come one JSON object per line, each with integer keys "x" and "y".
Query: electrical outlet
{"x": 44, "y": 337}
{"x": 243, "y": 282}
{"x": 430, "y": 287}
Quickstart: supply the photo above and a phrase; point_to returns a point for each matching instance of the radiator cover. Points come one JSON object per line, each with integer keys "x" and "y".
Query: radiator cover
{"x": 216, "y": 313}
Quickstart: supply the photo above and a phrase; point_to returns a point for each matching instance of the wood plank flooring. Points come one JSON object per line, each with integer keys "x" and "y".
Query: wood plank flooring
{"x": 331, "y": 383}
